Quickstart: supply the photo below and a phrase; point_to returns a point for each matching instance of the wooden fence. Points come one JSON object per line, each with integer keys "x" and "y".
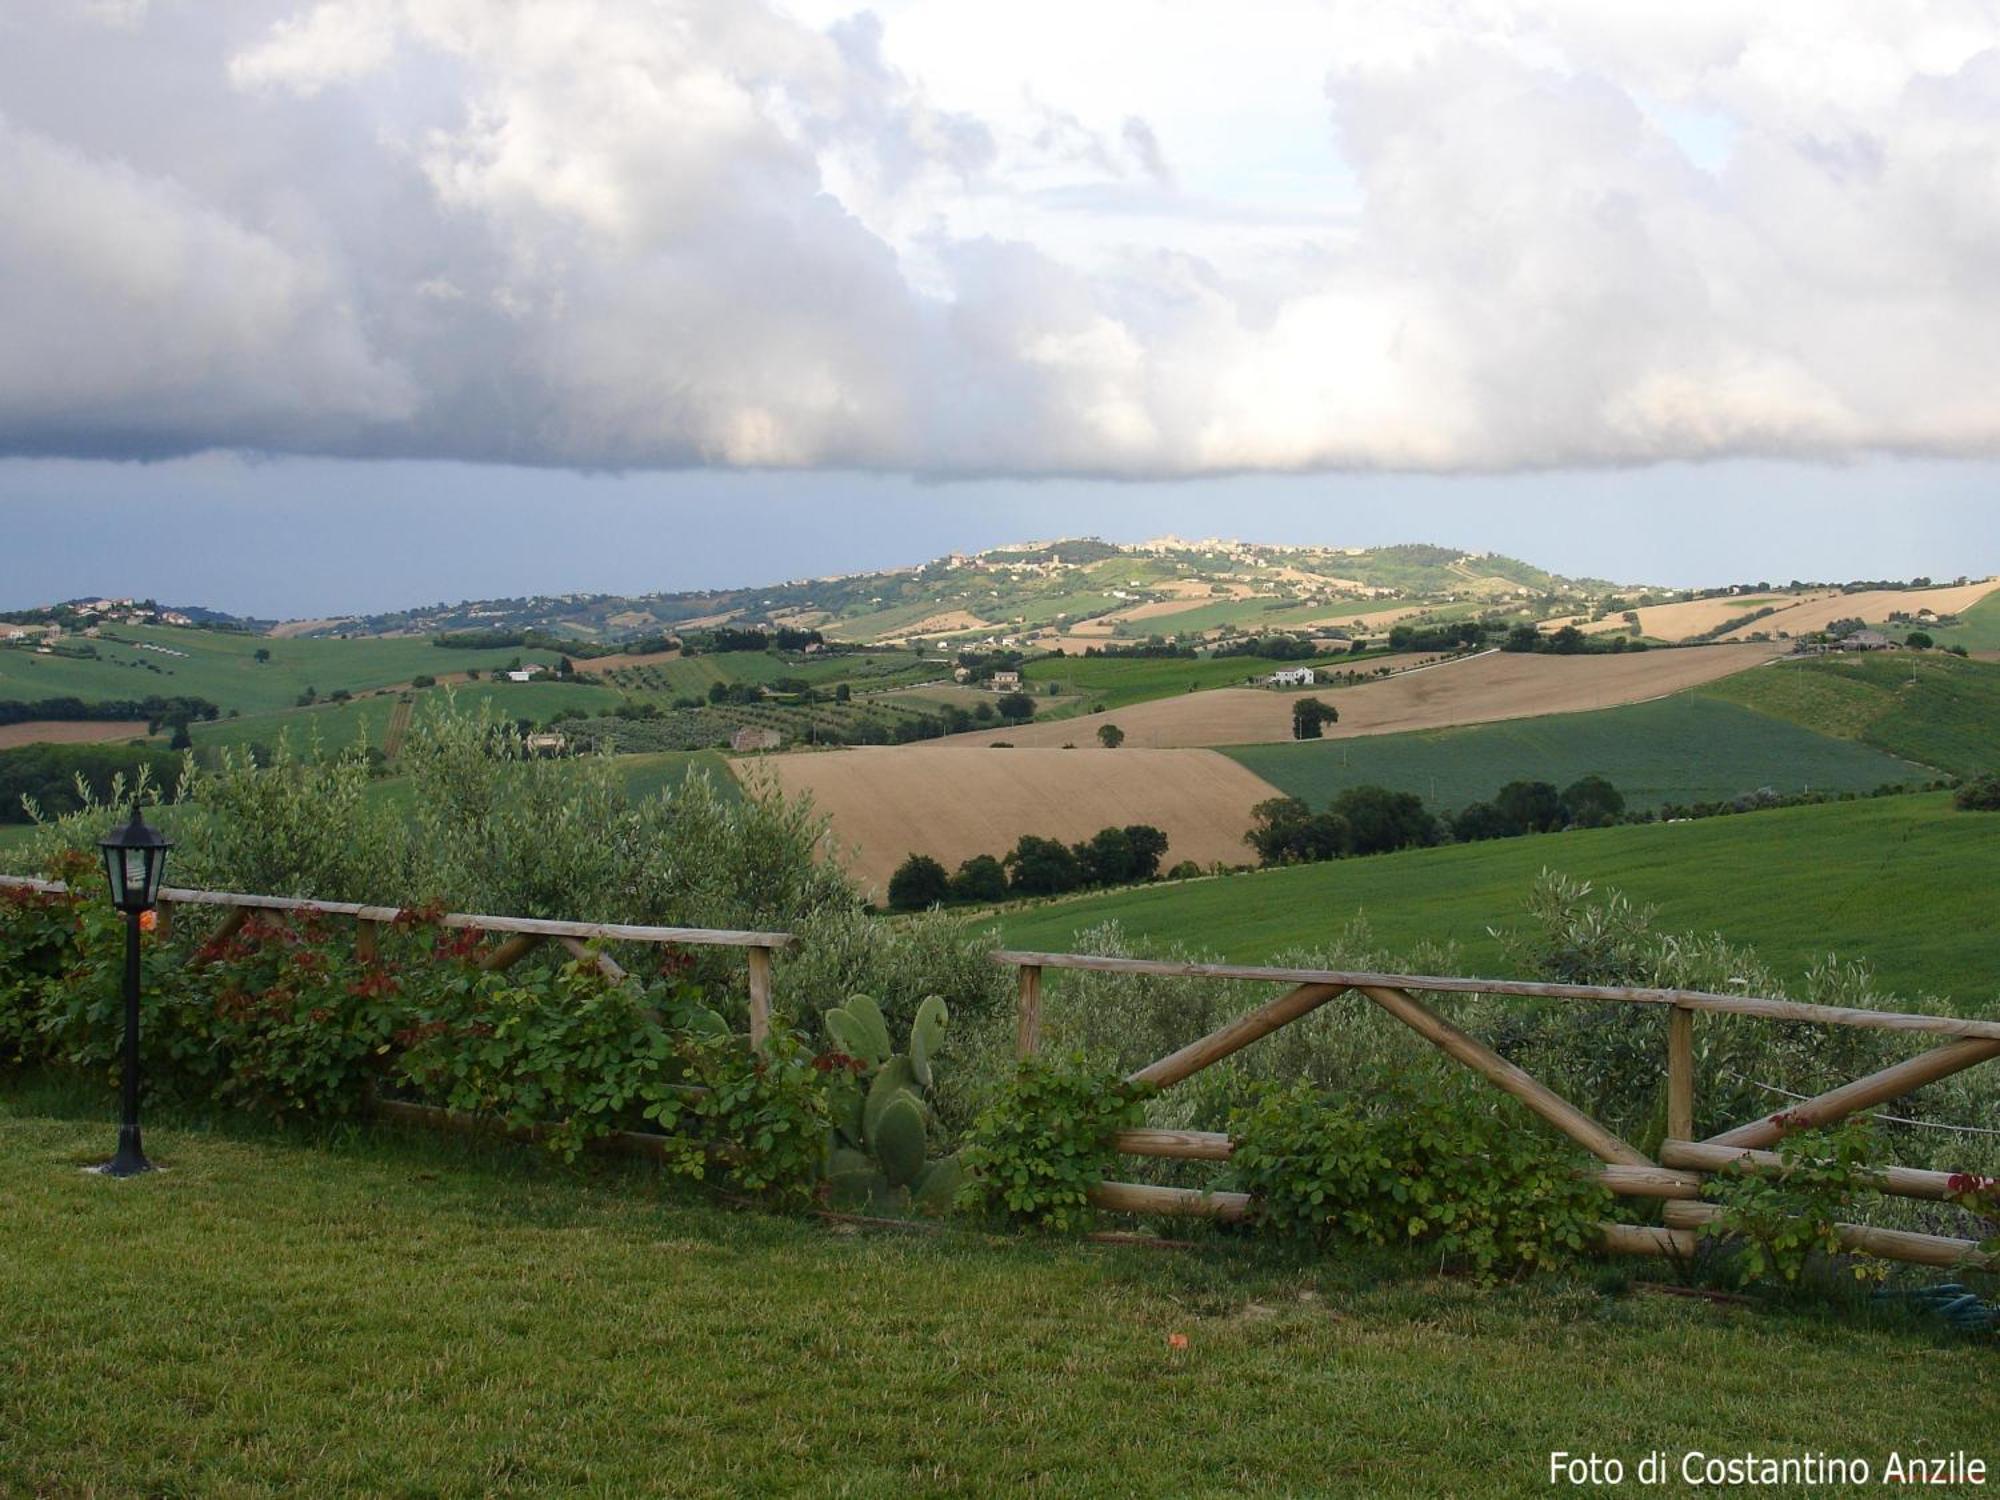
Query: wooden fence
{"x": 520, "y": 935}
{"x": 1684, "y": 1163}
{"x": 1676, "y": 1178}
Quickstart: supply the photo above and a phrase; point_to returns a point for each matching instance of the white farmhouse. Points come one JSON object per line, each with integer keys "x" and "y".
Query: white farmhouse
{"x": 1293, "y": 677}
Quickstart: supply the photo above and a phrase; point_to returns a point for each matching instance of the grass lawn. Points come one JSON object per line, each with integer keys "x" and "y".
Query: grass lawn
{"x": 1897, "y": 881}
{"x": 395, "y": 1314}
{"x": 1681, "y": 749}
{"x": 1927, "y": 707}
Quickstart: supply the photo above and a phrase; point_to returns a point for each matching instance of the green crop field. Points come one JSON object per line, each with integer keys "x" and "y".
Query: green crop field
{"x": 1891, "y": 880}
{"x": 679, "y": 677}
{"x": 1682, "y": 749}
{"x": 1928, "y": 707}
{"x": 661, "y": 770}
{"x": 1978, "y": 628}
{"x": 338, "y": 725}
{"x": 1118, "y": 681}
{"x": 221, "y": 666}
{"x": 363, "y": 1311}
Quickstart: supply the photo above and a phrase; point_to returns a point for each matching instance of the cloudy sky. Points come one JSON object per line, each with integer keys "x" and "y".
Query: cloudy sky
{"x": 785, "y": 285}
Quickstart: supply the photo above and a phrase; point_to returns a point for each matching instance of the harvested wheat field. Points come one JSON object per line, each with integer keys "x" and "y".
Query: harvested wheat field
{"x": 890, "y": 802}
{"x": 1692, "y": 617}
{"x": 621, "y": 660}
{"x": 1473, "y": 690}
{"x": 1874, "y": 606}
{"x": 70, "y": 732}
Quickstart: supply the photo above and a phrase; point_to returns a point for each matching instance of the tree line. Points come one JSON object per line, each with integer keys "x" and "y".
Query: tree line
{"x": 1035, "y": 866}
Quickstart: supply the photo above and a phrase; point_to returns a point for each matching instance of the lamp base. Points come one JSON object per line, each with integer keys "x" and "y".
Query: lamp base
{"x": 130, "y": 1160}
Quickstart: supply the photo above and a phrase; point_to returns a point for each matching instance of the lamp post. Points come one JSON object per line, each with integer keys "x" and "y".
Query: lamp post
{"x": 135, "y": 858}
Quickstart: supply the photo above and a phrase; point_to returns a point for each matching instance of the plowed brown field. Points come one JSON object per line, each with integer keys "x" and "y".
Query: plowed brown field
{"x": 889, "y": 802}
{"x": 1477, "y": 690}
{"x": 70, "y": 732}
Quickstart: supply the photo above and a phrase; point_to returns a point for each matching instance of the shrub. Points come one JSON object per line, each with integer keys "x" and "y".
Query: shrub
{"x": 1046, "y": 1140}
{"x": 1979, "y": 795}
{"x": 981, "y": 878}
{"x": 1414, "y": 1163}
{"x": 918, "y": 884}
{"x": 1779, "y": 1222}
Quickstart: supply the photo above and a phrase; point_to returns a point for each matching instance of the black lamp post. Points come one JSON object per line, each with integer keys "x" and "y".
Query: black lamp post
{"x": 135, "y": 858}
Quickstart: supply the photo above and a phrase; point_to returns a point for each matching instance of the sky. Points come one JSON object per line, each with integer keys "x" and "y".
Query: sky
{"x": 320, "y": 305}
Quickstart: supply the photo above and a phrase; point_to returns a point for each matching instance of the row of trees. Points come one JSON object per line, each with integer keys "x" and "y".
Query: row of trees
{"x": 1035, "y": 866}
{"x": 1376, "y": 820}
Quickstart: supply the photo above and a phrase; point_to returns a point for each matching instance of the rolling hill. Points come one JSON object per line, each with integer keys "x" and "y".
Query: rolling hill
{"x": 1929, "y": 707}
{"x": 1472, "y": 690}
{"x": 1685, "y": 749}
{"x": 1886, "y": 880}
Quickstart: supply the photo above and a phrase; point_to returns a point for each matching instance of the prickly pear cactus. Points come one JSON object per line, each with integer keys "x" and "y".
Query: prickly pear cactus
{"x": 878, "y": 1151}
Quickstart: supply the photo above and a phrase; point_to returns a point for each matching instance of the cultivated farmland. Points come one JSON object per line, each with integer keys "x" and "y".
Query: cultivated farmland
{"x": 1476, "y": 690}
{"x": 1882, "y": 879}
{"x": 1927, "y": 707}
{"x": 1683, "y": 749}
{"x": 891, "y": 802}
{"x": 70, "y": 732}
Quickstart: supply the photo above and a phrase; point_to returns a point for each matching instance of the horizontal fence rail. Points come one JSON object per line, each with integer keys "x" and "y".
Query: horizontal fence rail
{"x": 1685, "y": 1164}
{"x": 1676, "y": 1179}
{"x": 523, "y": 934}
{"x": 1741, "y": 1005}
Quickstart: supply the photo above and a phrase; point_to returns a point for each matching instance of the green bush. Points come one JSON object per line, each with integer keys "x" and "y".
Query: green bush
{"x": 1982, "y": 794}
{"x": 1046, "y": 1140}
{"x": 1415, "y": 1163}
{"x": 1779, "y": 1222}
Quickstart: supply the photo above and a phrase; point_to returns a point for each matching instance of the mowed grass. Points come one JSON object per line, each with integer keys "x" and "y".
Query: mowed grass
{"x": 1904, "y": 883}
{"x": 1929, "y": 707}
{"x": 396, "y": 1314}
{"x": 221, "y": 666}
{"x": 1682, "y": 749}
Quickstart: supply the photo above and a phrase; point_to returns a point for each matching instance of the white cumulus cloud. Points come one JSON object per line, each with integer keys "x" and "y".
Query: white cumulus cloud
{"x": 1136, "y": 238}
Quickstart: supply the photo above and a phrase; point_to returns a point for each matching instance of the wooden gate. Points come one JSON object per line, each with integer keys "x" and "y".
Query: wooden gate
{"x": 1626, "y": 1171}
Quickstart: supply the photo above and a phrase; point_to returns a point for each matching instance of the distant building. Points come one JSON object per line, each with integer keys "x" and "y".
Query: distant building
{"x": 755, "y": 737}
{"x": 1006, "y": 682}
{"x": 526, "y": 674}
{"x": 1868, "y": 640}
{"x": 1293, "y": 677}
{"x": 546, "y": 743}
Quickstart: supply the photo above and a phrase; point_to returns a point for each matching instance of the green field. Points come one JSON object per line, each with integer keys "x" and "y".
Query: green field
{"x": 341, "y": 724}
{"x": 1118, "y": 681}
{"x": 673, "y": 677}
{"x": 1894, "y": 881}
{"x": 1683, "y": 749}
{"x": 221, "y": 666}
{"x": 1928, "y": 707}
{"x": 370, "y": 1312}
{"x": 662, "y": 770}
{"x": 1979, "y": 627}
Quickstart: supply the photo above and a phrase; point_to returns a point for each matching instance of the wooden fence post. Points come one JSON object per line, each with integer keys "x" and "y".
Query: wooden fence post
{"x": 165, "y": 920}
{"x": 1028, "y": 1023}
{"x": 760, "y": 996}
{"x": 1680, "y": 1073}
{"x": 365, "y": 935}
